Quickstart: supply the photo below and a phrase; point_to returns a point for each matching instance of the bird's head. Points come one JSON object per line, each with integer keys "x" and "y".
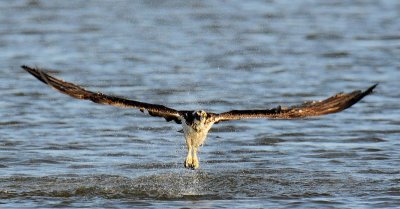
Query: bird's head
{"x": 200, "y": 115}
{"x": 199, "y": 119}
{"x": 196, "y": 119}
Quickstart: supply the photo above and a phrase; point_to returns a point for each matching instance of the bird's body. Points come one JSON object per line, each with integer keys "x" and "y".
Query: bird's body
{"x": 196, "y": 124}
{"x": 196, "y": 132}
{"x": 195, "y": 129}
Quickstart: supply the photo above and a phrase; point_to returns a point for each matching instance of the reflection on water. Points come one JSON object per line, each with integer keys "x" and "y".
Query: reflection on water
{"x": 59, "y": 152}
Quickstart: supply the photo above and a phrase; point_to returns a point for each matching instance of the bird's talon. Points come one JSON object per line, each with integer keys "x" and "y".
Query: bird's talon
{"x": 188, "y": 163}
{"x": 194, "y": 164}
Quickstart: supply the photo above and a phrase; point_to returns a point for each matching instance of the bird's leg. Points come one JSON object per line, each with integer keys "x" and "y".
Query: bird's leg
{"x": 195, "y": 161}
{"x": 189, "y": 159}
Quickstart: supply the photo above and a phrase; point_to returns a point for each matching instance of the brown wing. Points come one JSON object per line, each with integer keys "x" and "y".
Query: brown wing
{"x": 330, "y": 105}
{"x": 97, "y": 97}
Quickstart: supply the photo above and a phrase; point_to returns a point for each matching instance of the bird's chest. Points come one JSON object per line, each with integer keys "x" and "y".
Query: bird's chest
{"x": 194, "y": 132}
{"x": 195, "y": 135}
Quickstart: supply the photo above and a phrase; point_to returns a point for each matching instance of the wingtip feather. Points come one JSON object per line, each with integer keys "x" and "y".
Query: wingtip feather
{"x": 371, "y": 88}
{"x": 27, "y": 68}
{"x": 35, "y": 72}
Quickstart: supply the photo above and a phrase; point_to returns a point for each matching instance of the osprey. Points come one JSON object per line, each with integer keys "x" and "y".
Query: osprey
{"x": 196, "y": 124}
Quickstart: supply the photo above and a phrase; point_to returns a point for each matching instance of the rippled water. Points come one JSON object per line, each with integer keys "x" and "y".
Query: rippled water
{"x": 215, "y": 55}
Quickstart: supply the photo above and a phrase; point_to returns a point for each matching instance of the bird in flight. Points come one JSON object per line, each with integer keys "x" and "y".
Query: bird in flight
{"x": 197, "y": 123}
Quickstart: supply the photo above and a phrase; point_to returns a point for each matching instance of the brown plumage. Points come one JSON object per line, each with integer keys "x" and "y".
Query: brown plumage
{"x": 196, "y": 124}
{"x": 330, "y": 105}
{"x": 97, "y": 97}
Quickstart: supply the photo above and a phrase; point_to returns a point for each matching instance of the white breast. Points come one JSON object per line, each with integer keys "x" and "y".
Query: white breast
{"x": 195, "y": 137}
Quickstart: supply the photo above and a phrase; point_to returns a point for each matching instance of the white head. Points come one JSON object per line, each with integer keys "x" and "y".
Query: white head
{"x": 200, "y": 116}
{"x": 196, "y": 119}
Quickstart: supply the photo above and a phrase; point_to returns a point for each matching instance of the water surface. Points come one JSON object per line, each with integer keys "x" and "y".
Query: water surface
{"x": 214, "y": 55}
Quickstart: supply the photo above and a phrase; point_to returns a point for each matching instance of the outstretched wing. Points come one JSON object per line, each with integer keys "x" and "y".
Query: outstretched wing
{"x": 97, "y": 97}
{"x": 330, "y": 105}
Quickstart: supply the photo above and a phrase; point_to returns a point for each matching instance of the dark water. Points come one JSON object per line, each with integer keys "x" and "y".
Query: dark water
{"x": 215, "y": 55}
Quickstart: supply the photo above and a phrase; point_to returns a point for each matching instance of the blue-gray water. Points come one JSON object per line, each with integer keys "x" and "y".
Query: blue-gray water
{"x": 56, "y": 151}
